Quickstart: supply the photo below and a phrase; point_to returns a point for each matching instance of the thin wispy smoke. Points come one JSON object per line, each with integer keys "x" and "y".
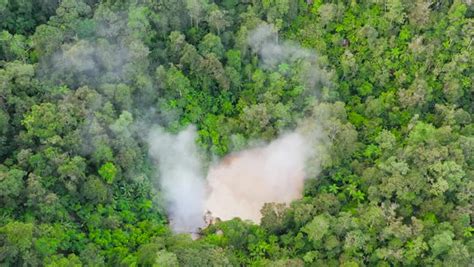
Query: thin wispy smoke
{"x": 265, "y": 42}
{"x": 108, "y": 54}
{"x": 94, "y": 63}
{"x": 180, "y": 176}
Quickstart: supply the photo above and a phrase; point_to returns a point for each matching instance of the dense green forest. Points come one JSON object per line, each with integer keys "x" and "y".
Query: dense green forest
{"x": 80, "y": 80}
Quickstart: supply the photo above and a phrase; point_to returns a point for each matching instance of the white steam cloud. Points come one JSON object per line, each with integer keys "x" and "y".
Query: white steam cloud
{"x": 243, "y": 182}
{"x": 181, "y": 177}
{"x": 237, "y": 186}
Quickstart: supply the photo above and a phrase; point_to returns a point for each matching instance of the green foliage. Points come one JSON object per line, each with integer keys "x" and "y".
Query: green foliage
{"x": 45, "y": 121}
{"x": 17, "y": 239}
{"x": 317, "y": 228}
{"x": 390, "y": 92}
{"x": 108, "y": 171}
{"x": 11, "y": 182}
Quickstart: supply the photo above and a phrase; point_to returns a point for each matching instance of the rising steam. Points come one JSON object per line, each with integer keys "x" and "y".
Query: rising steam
{"x": 181, "y": 177}
{"x": 243, "y": 182}
{"x": 237, "y": 186}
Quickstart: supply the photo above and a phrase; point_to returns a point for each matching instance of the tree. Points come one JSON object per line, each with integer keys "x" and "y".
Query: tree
{"x": 420, "y": 14}
{"x": 395, "y": 11}
{"x": 441, "y": 243}
{"x": 12, "y": 47}
{"x": 274, "y": 218}
{"x": 177, "y": 43}
{"x": 21, "y": 17}
{"x": 46, "y": 40}
{"x": 139, "y": 24}
{"x": 211, "y": 44}
{"x": 108, "y": 171}
{"x": 276, "y": 10}
{"x": 339, "y": 136}
{"x": 95, "y": 190}
{"x": 61, "y": 260}
{"x": 121, "y": 126}
{"x": 165, "y": 258}
{"x": 147, "y": 254}
{"x": 73, "y": 170}
{"x": 11, "y": 184}
{"x": 416, "y": 95}
{"x": 48, "y": 121}
{"x": 317, "y": 229}
{"x": 217, "y": 19}
{"x": 69, "y": 11}
{"x": 349, "y": 65}
{"x": 214, "y": 73}
{"x": 327, "y": 12}
{"x": 91, "y": 255}
{"x": 17, "y": 239}
{"x": 380, "y": 90}
{"x": 196, "y": 9}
